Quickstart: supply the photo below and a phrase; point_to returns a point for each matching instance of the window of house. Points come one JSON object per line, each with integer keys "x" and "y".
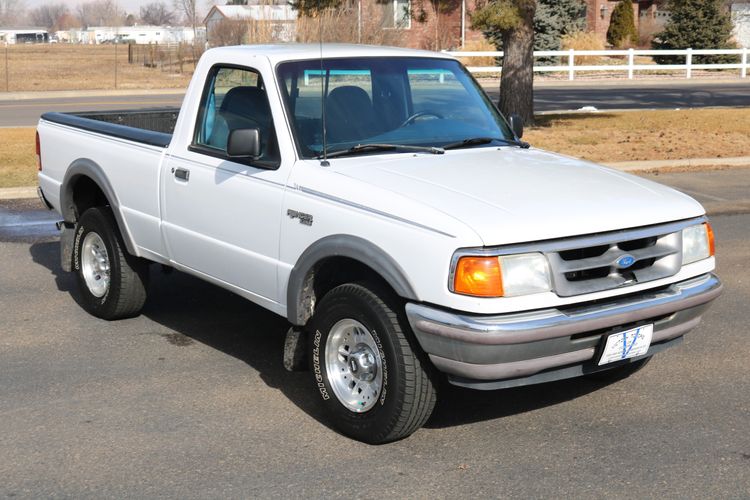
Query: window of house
{"x": 397, "y": 14}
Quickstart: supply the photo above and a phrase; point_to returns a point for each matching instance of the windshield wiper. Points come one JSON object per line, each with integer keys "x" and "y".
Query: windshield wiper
{"x": 366, "y": 148}
{"x": 475, "y": 141}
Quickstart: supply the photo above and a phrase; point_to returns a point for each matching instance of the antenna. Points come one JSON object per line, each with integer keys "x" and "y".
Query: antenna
{"x": 323, "y": 88}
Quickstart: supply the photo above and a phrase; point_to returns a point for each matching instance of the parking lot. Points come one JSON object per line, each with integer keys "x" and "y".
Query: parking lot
{"x": 190, "y": 400}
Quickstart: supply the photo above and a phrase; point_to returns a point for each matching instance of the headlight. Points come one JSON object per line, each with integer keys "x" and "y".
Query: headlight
{"x": 524, "y": 274}
{"x": 697, "y": 243}
{"x": 503, "y": 276}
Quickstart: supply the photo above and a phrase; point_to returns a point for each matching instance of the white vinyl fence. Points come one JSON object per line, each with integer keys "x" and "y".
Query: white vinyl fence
{"x": 571, "y": 68}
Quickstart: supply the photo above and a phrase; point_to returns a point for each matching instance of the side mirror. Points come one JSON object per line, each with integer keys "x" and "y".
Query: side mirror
{"x": 244, "y": 143}
{"x": 516, "y": 124}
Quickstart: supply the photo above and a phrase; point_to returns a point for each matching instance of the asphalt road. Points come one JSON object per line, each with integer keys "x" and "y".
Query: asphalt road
{"x": 558, "y": 97}
{"x": 190, "y": 400}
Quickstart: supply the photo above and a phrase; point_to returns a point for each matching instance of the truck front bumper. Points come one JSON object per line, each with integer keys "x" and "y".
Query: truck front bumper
{"x": 490, "y": 352}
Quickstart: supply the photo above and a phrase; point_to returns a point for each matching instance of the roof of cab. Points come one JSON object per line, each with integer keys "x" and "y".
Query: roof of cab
{"x": 301, "y": 51}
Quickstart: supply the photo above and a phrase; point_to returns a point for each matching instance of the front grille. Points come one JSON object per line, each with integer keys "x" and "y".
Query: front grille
{"x": 590, "y": 264}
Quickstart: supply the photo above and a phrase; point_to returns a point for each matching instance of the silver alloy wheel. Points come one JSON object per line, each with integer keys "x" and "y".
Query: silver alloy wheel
{"x": 95, "y": 264}
{"x": 354, "y": 365}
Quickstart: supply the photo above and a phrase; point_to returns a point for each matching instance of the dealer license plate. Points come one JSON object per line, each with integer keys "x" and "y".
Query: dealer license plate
{"x": 628, "y": 344}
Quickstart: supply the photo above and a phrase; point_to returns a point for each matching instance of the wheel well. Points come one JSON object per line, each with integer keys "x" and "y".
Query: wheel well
{"x": 87, "y": 194}
{"x": 332, "y": 272}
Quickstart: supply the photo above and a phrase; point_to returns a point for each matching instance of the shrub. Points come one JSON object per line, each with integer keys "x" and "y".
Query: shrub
{"x": 583, "y": 40}
{"x": 696, "y": 24}
{"x": 621, "y": 32}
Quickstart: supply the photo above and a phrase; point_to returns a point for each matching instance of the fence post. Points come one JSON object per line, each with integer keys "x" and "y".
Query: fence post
{"x": 571, "y": 64}
{"x": 7, "y": 75}
{"x": 743, "y": 70}
{"x": 115, "y": 44}
{"x": 631, "y": 63}
{"x": 689, "y": 64}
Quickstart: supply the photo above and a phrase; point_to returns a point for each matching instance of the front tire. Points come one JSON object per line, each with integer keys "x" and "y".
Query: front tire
{"x": 112, "y": 282}
{"x": 374, "y": 381}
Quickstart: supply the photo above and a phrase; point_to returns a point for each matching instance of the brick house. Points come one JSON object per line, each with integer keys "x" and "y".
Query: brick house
{"x": 650, "y": 15}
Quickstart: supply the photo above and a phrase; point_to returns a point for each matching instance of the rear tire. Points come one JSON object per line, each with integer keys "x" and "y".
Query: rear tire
{"x": 112, "y": 282}
{"x": 374, "y": 381}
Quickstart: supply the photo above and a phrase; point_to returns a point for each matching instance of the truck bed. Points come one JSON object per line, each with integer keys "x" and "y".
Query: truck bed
{"x": 148, "y": 126}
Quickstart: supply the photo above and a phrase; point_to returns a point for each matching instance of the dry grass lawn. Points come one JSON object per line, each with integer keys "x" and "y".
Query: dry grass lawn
{"x": 81, "y": 67}
{"x": 648, "y": 135}
{"x": 17, "y": 157}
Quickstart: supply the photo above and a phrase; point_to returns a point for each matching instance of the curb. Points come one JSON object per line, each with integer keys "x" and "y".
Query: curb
{"x": 18, "y": 193}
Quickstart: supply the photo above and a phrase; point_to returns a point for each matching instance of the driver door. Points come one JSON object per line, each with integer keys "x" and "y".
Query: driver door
{"x": 221, "y": 215}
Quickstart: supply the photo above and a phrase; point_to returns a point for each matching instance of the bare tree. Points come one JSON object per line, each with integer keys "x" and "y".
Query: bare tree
{"x": 157, "y": 14}
{"x": 189, "y": 10}
{"x": 48, "y": 15}
{"x": 11, "y": 11}
{"x": 229, "y": 32}
{"x": 100, "y": 13}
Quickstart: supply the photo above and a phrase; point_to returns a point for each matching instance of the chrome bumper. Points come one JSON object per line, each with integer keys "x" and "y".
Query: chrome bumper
{"x": 517, "y": 346}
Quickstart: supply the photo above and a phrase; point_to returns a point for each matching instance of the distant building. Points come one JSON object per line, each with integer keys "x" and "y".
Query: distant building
{"x": 13, "y": 36}
{"x": 741, "y": 21}
{"x": 141, "y": 35}
{"x": 278, "y": 17}
{"x": 650, "y": 15}
{"x": 408, "y": 23}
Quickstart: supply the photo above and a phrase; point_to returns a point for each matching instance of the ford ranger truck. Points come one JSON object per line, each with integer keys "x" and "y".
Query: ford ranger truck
{"x": 377, "y": 199}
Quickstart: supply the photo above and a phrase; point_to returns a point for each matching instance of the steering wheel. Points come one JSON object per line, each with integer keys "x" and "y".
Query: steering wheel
{"x": 420, "y": 114}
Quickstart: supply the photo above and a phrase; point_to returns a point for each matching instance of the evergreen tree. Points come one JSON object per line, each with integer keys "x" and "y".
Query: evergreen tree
{"x": 311, "y": 8}
{"x": 622, "y": 31}
{"x": 555, "y": 18}
{"x": 695, "y": 24}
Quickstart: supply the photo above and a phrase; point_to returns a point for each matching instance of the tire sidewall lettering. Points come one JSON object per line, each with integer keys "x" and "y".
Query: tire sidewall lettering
{"x": 384, "y": 364}
{"x": 77, "y": 247}
{"x": 317, "y": 371}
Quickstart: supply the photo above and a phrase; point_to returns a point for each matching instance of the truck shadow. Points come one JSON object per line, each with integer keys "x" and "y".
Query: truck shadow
{"x": 196, "y": 311}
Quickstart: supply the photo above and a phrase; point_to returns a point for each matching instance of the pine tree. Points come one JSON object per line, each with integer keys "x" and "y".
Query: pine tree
{"x": 622, "y": 31}
{"x": 696, "y": 24}
{"x": 555, "y": 18}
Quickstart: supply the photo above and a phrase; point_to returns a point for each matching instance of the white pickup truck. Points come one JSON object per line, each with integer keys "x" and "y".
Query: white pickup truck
{"x": 378, "y": 200}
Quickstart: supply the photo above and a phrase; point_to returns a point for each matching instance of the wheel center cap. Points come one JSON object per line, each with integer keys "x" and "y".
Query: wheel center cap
{"x": 362, "y": 363}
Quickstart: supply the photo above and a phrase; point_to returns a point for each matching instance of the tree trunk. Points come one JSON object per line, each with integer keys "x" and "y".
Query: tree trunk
{"x": 517, "y": 79}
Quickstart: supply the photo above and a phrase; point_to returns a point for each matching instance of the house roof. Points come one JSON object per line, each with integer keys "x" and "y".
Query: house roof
{"x": 265, "y": 12}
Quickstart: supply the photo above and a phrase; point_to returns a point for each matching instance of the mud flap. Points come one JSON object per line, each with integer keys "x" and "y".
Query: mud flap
{"x": 295, "y": 350}
{"x": 67, "y": 236}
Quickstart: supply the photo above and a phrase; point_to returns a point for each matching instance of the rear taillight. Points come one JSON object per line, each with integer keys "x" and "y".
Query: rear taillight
{"x": 38, "y": 154}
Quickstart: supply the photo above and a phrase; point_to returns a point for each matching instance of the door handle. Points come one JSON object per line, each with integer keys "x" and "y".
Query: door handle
{"x": 181, "y": 173}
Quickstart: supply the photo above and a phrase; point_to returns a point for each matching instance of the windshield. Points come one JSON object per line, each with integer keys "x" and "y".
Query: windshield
{"x": 386, "y": 100}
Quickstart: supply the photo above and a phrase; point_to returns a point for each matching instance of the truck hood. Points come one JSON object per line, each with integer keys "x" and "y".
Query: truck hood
{"x": 512, "y": 195}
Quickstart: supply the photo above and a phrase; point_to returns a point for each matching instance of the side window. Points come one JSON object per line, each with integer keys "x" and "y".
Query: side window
{"x": 235, "y": 99}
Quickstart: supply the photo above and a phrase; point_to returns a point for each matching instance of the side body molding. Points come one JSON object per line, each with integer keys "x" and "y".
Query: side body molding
{"x": 83, "y": 167}
{"x": 299, "y": 289}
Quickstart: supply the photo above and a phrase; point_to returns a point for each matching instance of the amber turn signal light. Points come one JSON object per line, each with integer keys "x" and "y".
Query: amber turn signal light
{"x": 711, "y": 244}
{"x": 478, "y": 276}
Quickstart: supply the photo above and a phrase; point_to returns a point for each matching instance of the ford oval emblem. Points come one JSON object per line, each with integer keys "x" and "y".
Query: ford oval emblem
{"x": 625, "y": 261}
